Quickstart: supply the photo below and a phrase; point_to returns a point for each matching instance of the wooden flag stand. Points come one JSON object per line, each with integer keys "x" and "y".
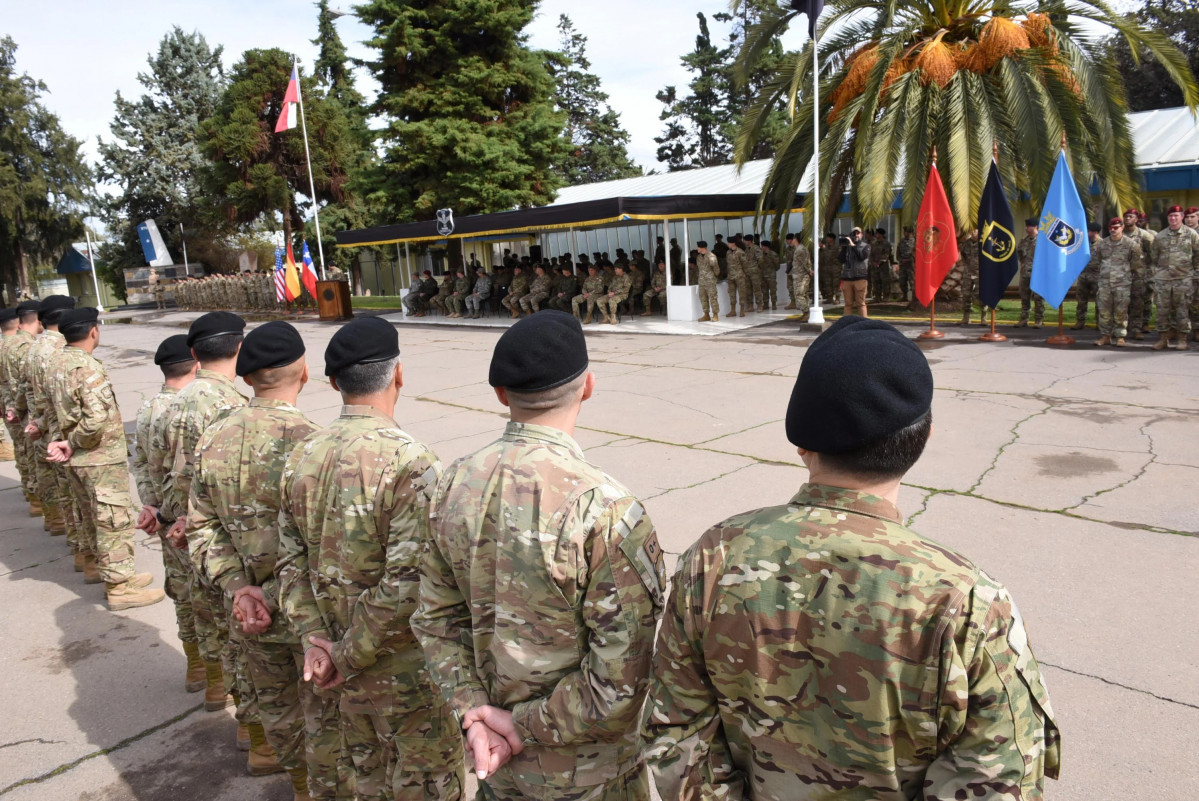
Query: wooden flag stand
{"x": 1061, "y": 337}
{"x": 993, "y": 335}
{"x": 932, "y": 332}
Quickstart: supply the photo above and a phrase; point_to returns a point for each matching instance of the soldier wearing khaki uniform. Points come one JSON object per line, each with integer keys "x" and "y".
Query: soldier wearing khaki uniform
{"x": 353, "y": 524}
{"x": 1175, "y": 261}
{"x": 617, "y": 293}
{"x": 1119, "y": 257}
{"x": 1024, "y": 253}
{"x": 593, "y": 289}
{"x": 541, "y": 587}
{"x": 788, "y": 664}
{"x": 1140, "y": 303}
{"x": 738, "y": 284}
{"x": 16, "y": 348}
{"x": 657, "y": 289}
{"x": 801, "y": 278}
{"x": 709, "y": 269}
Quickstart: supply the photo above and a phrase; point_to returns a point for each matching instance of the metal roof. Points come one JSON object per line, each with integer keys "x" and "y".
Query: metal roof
{"x": 1167, "y": 137}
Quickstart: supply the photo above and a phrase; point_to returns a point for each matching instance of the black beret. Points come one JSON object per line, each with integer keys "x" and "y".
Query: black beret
{"x": 540, "y": 352}
{"x": 274, "y": 344}
{"x": 701, "y": 244}
{"x": 173, "y": 350}
{"x": 361, "y": 341}
{"x": 1094, "y": 226}
{"x": 54, "y": 303}
{"x": 860, "y": 381}
{"x": 85, "y": 314}
{"x": 29, "y": 306}
{"x": 1033, "y": 221}
{"x": 214, "y": 324}
{"x": 7, "y": 313}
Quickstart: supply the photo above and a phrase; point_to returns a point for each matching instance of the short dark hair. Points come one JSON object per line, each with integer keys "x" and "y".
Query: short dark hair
{"x": 366, "y": 378}
{"x": 77, "y": 332}
{"x": 887, "y": 458}
{"x": 218, "y": 348}
{"x": 177, "y": 369}
{"x": 9, "y": 324}
{"x": 51, "y": 317}
{"x": 26, "y": 317}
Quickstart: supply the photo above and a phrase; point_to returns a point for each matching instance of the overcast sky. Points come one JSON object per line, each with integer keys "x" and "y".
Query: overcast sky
{"x": 85, "y": 51}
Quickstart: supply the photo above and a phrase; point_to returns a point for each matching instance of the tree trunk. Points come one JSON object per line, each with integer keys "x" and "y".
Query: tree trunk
{"x": 22, "y": 270}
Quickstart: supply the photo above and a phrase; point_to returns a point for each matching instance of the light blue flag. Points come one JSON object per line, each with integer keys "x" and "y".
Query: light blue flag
{"x": 1063, "y": 248}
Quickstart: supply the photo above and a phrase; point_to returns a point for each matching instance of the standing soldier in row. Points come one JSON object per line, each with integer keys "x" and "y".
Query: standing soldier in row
{"x": 770, "y": 277}
{"x": 92, "y": 443}
{"x": 353, "y": 525}
{"x": 801, "y": 277}
{"x": 1191, "y": 220}
{"x": 541, "y": 586}
{"x": 1175, "y": 261}
{"x": 12, "y": 359}
{"x": 178, "y": 367}
{"x": 1086, "y": 289}
{"x": 1140, "y": 303}
{"x": 738, "y": 284}
{"x": 905, "y": 254}
{"x": 968, "y": 258}
{"x": 1024, "y": 253}
{"x": 1119, "y": 259}
{"x": 709, "y": 268}
{"x": 880, "y": 265}
{"x": 830, "y": 269}
{"x": 788, "y": 262}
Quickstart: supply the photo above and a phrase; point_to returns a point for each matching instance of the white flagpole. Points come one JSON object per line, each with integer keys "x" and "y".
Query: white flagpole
{"x": 816, "y": 313}
{"x": 186, "y": 269}
{"x": 316, "y": 214}
{"x": 92, "y": 262}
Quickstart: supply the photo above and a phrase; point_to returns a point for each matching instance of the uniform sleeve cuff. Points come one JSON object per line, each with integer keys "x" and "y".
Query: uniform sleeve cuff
{"x": 234, "y": 582}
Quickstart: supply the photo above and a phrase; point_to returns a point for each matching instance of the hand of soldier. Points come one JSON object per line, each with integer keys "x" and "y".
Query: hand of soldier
{"x": 499, "y": 721}
{"x": 33, "y": 431}
{"x": 147, "y": 519}
{"x": 59, "y": 451}
{"x": 177, "y": 534}
{"x": 318, "y": 664}
{"x": 489, "y": 750}
{"x": 10, "y": 415}
{"x": 249, "y": 604}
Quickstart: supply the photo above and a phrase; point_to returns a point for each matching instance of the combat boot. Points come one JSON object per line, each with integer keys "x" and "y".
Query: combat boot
{"x": 515, "y": 312}
{"x": 140, "y": 580}
{"x": 1078, "y": 326}
{"x": 1182, "y": 342}
{"x": 216, "y": 697}
{"x": 790, "y": 306}
{"x": 35, "y": 506}
{"x": 1023, "y": 321}
{"x": 704, "y": 319}
{"x": 126, "y": 596}
{"x": 91, "y": 570}
{"x": 715, "y": 318}
{"x": 1162, "y": 341}
{"x": 1120, "y": 343}
{"x": 1037, "y": 323}
{"x": 1137, "y": 335}
{"x": 243, "y": 737}
{"x": 646, "y": 313}
{"x": 587, "y": 319}
{"x": 78, "y": 562}
{"x": 262, "y": 760}
{"x": 1103, "y": 340}
{"x": 195, "y": 679}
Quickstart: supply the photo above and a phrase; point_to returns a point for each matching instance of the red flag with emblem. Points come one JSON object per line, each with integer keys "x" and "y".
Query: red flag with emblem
{"x": 936, "y": 239}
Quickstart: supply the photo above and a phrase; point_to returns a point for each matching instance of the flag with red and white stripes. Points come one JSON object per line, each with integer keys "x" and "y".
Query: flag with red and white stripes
{"x": 280, "y": 293}
{"x": 291, "y": 98}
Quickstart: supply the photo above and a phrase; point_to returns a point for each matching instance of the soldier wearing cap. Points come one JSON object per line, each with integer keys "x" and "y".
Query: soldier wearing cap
{"x": 1191, "y": 220}
{"x": 214, "y": 340}
{"x": 709, "y": 269}
{"x": 1086, "y": 288}
{"x": 821, "y": 649}
{"x": 1175, "y": 262}
{"x": 1119, "y": 258}
{"x": 25, "y": 327}
{"x": 353, "y": 523}
{"x": 905, "y": 254}
{"x": 90, "y": 437}
{"x": 541, "y": 587}
{"x": 178, "y": 367}
{"x": 1025, "y": 251}
{"x": 1140, "y": 302}
{"x": 234, "y": 515}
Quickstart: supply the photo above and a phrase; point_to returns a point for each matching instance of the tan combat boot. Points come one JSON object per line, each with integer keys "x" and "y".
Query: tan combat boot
{"x": 1120, "y": 343}
{"x": 514, "y": 310}
{"x": 243, "y": 737}
{"x": 79, "y": 559}
{"x": 195, "y": 679}
{"x": 646, "y": 313}
{"x": 1162, "y": 341}
{"x": 790, "y": 306}
{"x": 704, "y": 319}
{"x": 216, "y": 697}
{"x": 91, "y": 570}
{"x": 126, "y": 596}
{"x": 587, "y": 319}
{"x": 715, "y": 318}
{"x": 35, "y": 506}
{"x": 1103, "y": 340}
{"x": 1182, "y": 342}
{"x": 262, "y": 760}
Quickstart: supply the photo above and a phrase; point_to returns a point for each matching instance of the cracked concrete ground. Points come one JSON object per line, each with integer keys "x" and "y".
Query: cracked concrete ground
{"x": 1067, "y": 474}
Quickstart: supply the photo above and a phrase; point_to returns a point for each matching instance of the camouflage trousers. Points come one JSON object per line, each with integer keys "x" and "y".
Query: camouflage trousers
{"x": 474, "y": 302}
{"x": 609, "y": 305}
{"x": 532, "y": 301}
{"x": 79, "y": 537}
{"x": 738, "y": 286}
{"x": 649, "y": 295}
{"x": 801, "y": 289}
{"x": 1028, "y": 297}
{"x": 880, "y": 281}
{"x": 45, "y": 480}
{"x": 757, "y": 288}
{"x": 23, "y": 458}
{"x": 770, "y": 289}
{"x": 1112, "y": 307}
{"x": 1195, "y": 304}
{"x": 969, "y": 288}
{"x": 413, "y": 303}
{"x": 1174, "y": 305}
{"x": 709, "y": 299}
{"x": 579, "y": 300}
{"x": 830, "y": 284}
{"x": 399, "y": 757}
{"x": 630, "y": 786}
{"x": 1087, "y": 292}
{"x": 300, "y": 725}
{"x": 560, "y": 303}
{"x": 907, "y": 280}
{"x": 439, "y": 303}
{"x": 1140, "y": 304}
{"x": 177, "y": 586}
{"x": 511, "y": 301}
{"x": 108, "y": 518}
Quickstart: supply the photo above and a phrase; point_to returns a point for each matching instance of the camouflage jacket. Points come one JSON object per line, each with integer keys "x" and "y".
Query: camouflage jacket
{"x": 149, "y": 485}
{"x": 1024, "y": 254}
{"x": 789, "y": 255}
{"x": 1143, "y": 237}
{"x": 197, "y": 406}
{"x": 1091, "y": 271}
{"x": 35, "y": 376}
{"x": 353, "y": 525}
{"x": 709, "y": 268}
{"x": 968, "y": 254}
{"x": 88, "y": 416}
{"x": 233, "y": 510}
{"x": 1175, "y": 254}
{"x": 539, "y": 593}
{"x": 770, "y": 263}
{"x": 821, "y": 650}
{"x": 905, "y": 251}
{"x": 568, "y": 287}
{"x": 14, "y": 357}
{"x": 620, "y": 286}
{"x": 880, "y": 252}
{"x": 830, "y": 263}
{"x": 636, "y": 279}
{"x": 736, "y": 263}
{"x": 1118, "y": 261}
{"x": 753, "y": 260}
{"x": 519, "y": 284}
{"x": 801, "y": 262}
{"x": 541, "y": 283}
{"x": 594, "y": 285}
{"x": 658, "y": 282}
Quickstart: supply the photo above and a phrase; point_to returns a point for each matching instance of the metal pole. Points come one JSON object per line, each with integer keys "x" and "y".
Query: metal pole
{"x": 396, "y": 289}
{"x": 186, "y": 271}
{"x": 316, "y": 214}
{"x": 92, "y": 262}
{"x": 666, "y": 250}
{"x": 686, "y": 253}
{"x": 816, "y": 313}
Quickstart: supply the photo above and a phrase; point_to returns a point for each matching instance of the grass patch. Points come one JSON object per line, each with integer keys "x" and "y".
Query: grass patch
{"x": 378, "y": 302}
{"x": 1008, "y": 313}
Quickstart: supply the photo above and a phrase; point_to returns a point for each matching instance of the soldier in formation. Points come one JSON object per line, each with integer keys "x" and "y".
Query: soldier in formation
{"x": 1119, "y": 258}
{"x": 880, "y": 265}
{"x": 801, "y": 278}
{"x": 1024, "y": 253}
{"x": 738, "y": 283}
{"x": 968, "y": 258}
{"x": 905, "y": 254}
{"x": 1174, "y": 257}
{"x": 616, "y": 294}
{"x": 1086, "y": 288}
{"x": 1140, "y": 304}
{"x": 709, "y": 269}
{"x": 770, "y": 277}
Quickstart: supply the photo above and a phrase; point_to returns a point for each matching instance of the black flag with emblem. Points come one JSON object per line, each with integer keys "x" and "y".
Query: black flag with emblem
{"x": 812, "y": 8}
{"x": 997, "y": 263}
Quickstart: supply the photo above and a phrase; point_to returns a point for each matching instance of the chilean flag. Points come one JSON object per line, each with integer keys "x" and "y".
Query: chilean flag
{"x": 307, "y": 272}
{"x": 291, "y": 99}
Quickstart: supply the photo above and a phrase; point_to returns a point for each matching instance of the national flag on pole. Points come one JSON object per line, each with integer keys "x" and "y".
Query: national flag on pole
{"x": 936, "y": 239}
{"x": 291, "y": 98}
{"x": 997, "y": 262}
{"x": 291, "y": 282}
{"x": 307, "y": 272}
{"x": 280, "y": 279}
{"x": 812, "y": 8}
{"x": 1063, "y": 249}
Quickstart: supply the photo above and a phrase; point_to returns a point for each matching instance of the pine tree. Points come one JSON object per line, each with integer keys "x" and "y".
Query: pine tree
{"x": 598, "y": 142}
{"x": 153, "y": 157}
{"x": 747, "y": 82}
{"x": 470, "y": 119}
{"x": 44, "y": 181}
{"x": 1147, "y": 83}
{"x": 698, "y": 123}
{"x": 332, "y": 64}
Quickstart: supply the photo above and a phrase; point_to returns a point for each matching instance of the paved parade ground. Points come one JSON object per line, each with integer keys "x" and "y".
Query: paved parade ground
{"x": 1071, "y": 475}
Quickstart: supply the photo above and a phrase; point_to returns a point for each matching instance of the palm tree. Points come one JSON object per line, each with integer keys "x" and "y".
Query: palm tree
{"x": 902, "y": 76}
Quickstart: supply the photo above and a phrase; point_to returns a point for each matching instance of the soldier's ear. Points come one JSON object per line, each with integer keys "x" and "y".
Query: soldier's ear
{"x": 588, "y": 386}
{"x": 399, "y": 376}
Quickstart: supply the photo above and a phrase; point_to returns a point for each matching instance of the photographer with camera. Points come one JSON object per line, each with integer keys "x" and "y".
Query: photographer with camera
{"x": 855, "y": 260}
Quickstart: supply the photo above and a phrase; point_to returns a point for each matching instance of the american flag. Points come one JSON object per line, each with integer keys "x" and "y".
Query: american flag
{"x": 280, "y": 296}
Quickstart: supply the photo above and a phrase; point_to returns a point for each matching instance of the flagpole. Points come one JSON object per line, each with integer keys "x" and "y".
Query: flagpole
{"x": 992, "y": 335}
{"x": 92, "y": 262}
{"x": 1061, "y": 337}
{"x": 816, "y": 313}
{"x": 932, "y": 332}
{"x": 316, "y": 214}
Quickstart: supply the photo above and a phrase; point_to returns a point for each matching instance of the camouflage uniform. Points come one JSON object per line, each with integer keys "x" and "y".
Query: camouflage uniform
{"x": 770, "y": 279}
{"x": 1118, "y": 261}
{"x": 1140, "y": 301}
{"x": 539, "y": 593}
{"x": 880, "y": 269}
{"x": 709, "y": 300}
{"x": 822, "y": 650}
{"x": 968, "y": 259}
{"x": 738, "y": 282}
{"x": 12, "y": 364}
{"x": 90, "y": 422}
{"x": 801, "y": 278}
{"x": 539, "y": 290}
{"x": 353, "y": 524}
{"x": 1024, "y": 253}
{"x": 148, "y": 471}
{"x": 618, "y": 292}
{"x": 1086, "y": 289}
{"x": 753, "y": 273}
{"x": 56, "y": 481}
{"x": 830, "y": 274}
{"x": 480, "y": 292}
{"x": 593, "y": 287}
{"x": 568, "y": 287}
{"x": 905, "y": 254}
{"x": 517, "y": 289}
{"x": 443, "y": 293}
{"x": 197, "y": 406}
{"x": 1175, "y": 262}
{"x": 657, "y": 289}
{"x": 234, "y": 512}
